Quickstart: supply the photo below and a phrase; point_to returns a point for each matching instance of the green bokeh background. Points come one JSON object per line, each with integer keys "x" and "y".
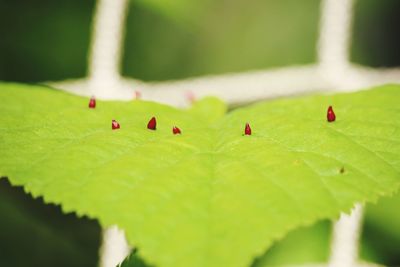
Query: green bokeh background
{"x": 48, "y": 40}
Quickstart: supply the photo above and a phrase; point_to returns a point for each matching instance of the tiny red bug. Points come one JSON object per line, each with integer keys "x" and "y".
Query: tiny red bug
{"x": 247, "y": 129}
{"x": 152, "y": 124}
{"x": 115, "y": 125}
{"x": 176, "y": 130}
{"x": 330, "y": 114}
{"x": 92, "y": 102}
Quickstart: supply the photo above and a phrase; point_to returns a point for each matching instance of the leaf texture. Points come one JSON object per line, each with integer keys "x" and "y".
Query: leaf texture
{"x": 210, "y": 196}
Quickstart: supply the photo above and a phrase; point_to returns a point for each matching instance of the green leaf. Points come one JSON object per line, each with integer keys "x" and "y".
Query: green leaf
{"x": 211, "y": 196}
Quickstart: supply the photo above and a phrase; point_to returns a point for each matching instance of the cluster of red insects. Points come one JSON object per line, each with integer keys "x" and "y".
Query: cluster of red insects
{"x": 152, "y": 124}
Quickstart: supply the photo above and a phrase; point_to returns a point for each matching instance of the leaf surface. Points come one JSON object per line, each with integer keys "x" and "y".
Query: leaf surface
{"x": 211, "y": 196}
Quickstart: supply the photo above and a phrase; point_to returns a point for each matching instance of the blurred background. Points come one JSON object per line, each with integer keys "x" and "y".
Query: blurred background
{"x": 43, "y": 40}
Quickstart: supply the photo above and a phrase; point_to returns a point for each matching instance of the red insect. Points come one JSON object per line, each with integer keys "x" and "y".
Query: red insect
{"x": 92, "y": 102}
{"x": 115, "y": 125}
{"x": 330, "y": 114}
{"x": 152, "y": 125}
{"x": 247, "y": 129}
{"x": 137, "y": 94}
{"x": 176, "y": 130}
{"x": 190, "y": 97}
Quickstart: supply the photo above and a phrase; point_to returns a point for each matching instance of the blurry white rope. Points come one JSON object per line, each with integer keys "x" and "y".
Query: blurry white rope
{"x": 114, "y": 247}
{"x": 104, "y": 76}
{"x": 332, "y": 73}
{"x": 345, "y": 239}
{"x": 333, "y": 54}
{"x": 335, "y": 34}
{"x": 106, "y": 47}
{"x": 243, "y": 87}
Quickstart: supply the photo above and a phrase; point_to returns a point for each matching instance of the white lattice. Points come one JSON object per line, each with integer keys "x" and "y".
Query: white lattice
{"x": 332, "y": 73}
